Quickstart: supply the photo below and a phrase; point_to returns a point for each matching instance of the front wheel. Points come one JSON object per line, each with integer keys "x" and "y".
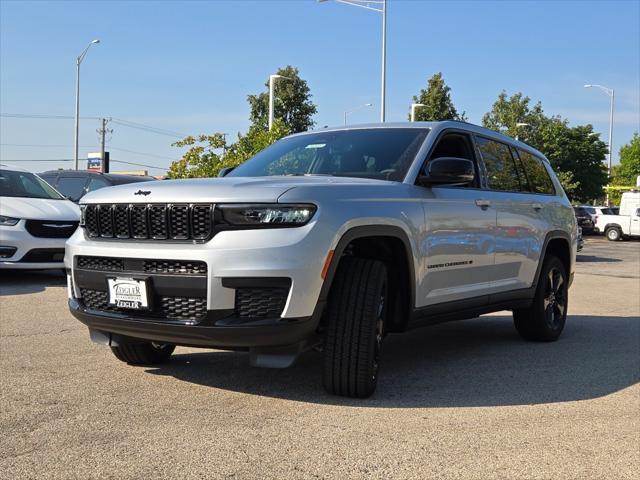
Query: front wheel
{"x": 545, "y": 319}
{"x": 143, "y": 353}
{"x": 355, "y": 328}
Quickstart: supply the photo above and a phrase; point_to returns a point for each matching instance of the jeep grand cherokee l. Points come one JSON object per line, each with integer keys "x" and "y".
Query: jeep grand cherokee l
{"x": 328, "y": 239}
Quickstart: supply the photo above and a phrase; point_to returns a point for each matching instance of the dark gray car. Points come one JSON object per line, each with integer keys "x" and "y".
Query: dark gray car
{"x": 75, "y": 184}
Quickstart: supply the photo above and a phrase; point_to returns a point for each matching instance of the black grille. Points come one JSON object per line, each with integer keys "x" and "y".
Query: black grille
{"x": 168, "y": 267}
{"x": 106, "y": 264}
{"x": 44, "y": 255}
{"x": 175, "y": 266}
{"x": 260, "y": 302}
{"x": 51, "y": 229}
{"x": 153, "y": 221}
{"x": 170, "y": 308}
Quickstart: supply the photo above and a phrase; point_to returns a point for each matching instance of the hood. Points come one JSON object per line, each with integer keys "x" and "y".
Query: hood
{"x": 39, "y": 208}
{"x": 226, "y": 189}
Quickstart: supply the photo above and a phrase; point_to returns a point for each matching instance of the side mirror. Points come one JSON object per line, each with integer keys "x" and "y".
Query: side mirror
{"x": 448, "y": 171}
{"x": 225, "y": 171}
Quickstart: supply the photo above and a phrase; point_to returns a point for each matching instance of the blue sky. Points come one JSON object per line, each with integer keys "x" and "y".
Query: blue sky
{"x": 187, "y": 67}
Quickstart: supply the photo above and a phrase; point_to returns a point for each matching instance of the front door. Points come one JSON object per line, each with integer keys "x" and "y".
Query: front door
{"x": 458, "y": 243}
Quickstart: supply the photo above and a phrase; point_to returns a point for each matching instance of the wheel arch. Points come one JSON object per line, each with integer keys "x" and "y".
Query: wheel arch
{"x": 558, "y": 243}
{"x": 395, "y": 250}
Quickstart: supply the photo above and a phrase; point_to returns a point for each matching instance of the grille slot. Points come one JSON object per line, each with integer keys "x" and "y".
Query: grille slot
{"x": 261, "y": 302}
{"x": 139, "y": 221}
{"x": 150, "y": 221}
{"x": 105, "y": 221}
{"x": 169, "y": 308}
{"x": 175, "y": 267}
{"x": 106, "y": 264}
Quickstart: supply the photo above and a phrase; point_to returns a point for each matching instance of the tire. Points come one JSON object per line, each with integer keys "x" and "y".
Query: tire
{"x": 146, "y": 353}
{"x": 545, "y": 319}
{"x": 355, "y": 327}
{"x": 613, "y": 234}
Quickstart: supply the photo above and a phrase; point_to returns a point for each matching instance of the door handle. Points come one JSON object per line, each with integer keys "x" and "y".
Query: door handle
{"x": 483, "y": 204}
{"x": 537, "y": 206}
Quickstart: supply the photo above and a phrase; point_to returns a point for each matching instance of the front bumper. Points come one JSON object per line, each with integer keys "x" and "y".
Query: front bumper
{"x": 18, "y": 237}
{"x": 276, "y": 332}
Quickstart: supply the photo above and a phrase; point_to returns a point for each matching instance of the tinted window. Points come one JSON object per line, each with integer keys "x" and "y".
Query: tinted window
{"x": 24, "y": 184}
{"x": 384, "y": 153}
{"x": 455, "y": 145}
{"x": 96, "y": 184}
{"x": 72, "y": 187}
{"x": 501, "y": 168}
{"x": 539, "y": 179}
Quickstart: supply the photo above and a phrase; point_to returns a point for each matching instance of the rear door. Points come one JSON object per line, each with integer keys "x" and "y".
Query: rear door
{"x": 520, "y": 227}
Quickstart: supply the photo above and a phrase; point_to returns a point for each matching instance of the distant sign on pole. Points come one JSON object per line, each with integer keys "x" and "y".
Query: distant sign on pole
{"x": 96, "y": 163}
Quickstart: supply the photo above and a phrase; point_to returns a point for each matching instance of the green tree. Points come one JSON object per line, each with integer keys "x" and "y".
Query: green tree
{"x": 208, "y": 154}
{"x": 292, "y": 103}
{"x": 437, "y": 102}
{"x": 202, "y": 159}
{"x": 576, "y": 153}
{"x": 627, "y": 172}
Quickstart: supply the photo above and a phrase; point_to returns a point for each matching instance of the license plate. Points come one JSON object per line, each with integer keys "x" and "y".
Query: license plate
{"x": 128, "y": 293}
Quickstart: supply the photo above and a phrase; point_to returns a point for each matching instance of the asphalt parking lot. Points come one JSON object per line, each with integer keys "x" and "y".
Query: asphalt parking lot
{"x": 461, "y": 400}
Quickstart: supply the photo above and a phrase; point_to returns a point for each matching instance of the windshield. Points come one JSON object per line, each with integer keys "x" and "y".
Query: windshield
{"x": 382, "y": 153}
{"x": 25, "y": 184}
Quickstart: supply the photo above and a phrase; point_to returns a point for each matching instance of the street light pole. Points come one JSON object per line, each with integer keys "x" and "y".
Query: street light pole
{"x": 347, "y": 112}
{"x": 79, "y": 59}
{"x": 379, "y": 6}
{"x": 272, "y": 80}
{"x": 413, "y": 110}
{"x": 611, "y": 92}
{"x": 518, "y": 125}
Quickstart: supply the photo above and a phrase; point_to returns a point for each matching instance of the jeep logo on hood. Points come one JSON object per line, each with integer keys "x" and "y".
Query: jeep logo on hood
{"x": 143, "y": 192}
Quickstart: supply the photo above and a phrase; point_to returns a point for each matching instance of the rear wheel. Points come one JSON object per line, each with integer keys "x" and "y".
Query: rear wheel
{"x": 146, "y": 353}
{"x": 613, "y": 234}
{"x": 356, "y": 317}
{"x": 545, "y": 319}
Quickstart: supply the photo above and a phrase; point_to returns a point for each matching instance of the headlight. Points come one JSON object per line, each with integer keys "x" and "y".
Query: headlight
{"x": 267, "y": 215}
{"x": 8, "y": 221}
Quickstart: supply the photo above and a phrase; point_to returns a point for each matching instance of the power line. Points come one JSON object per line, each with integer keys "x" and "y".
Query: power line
{"x": 111, "y": 147}
{"x": 71, "y": 160}
{"x": 119, "y": 121}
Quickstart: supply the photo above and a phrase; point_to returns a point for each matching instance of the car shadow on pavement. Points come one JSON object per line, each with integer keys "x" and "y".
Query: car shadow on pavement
{"x": 21, "y": 282}
{"x": 595, "y": 259}
{"x": 477, "y": 362}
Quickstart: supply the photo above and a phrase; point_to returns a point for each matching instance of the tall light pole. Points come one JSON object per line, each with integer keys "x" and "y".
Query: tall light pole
{"x": 272, "y": 81}
{"x": 611, "y": 93}
{"x": 413, "y": 110}
{"x": 347, "y": 112}
{"x": 79, "y": 59}
{"x": 379, "y": 6}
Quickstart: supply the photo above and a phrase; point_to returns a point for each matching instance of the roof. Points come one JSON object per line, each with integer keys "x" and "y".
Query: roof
{"x": 6, "y": 166}
{"x": 435, "y": 126}
{"x": 116, "y": 178}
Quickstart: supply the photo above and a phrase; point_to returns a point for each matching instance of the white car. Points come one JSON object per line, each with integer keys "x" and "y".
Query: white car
{"x": 35, "y": 221}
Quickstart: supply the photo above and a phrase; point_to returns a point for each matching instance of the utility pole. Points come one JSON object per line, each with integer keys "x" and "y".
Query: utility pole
{"x": 103, "y": 133}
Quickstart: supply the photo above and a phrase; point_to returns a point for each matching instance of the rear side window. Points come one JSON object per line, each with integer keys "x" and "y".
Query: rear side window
{"x": 539, "y": 179}
{"x": 502, "y": 173}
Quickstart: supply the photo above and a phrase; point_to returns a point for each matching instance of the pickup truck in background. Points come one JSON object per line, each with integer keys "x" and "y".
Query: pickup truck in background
{"x": 627, "y": 224}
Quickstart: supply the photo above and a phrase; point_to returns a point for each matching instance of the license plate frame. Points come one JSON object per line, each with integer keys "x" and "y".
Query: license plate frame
{"x": 129, "y": 293}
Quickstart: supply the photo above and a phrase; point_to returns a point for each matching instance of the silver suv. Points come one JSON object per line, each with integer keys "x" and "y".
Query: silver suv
{"x": 329, "y": 239}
